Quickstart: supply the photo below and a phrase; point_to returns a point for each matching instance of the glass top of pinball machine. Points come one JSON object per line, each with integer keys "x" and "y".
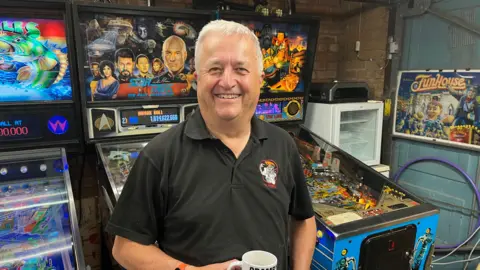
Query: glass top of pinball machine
{"x": 35, "y": 227}
{"x": 118, "y": 159}
{"x": 342, "y": 188}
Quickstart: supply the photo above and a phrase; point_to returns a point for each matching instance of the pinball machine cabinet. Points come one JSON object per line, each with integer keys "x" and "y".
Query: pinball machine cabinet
{"x": 364, "y": 220}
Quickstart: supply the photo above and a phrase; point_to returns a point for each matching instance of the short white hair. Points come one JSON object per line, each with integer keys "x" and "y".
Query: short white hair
{"x": 228, "y": 28}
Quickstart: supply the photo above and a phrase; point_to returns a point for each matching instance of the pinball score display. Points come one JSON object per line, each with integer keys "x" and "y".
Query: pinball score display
{"x": 147, "y": 117}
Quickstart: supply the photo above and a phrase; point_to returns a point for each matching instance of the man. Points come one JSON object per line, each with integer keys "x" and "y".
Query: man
{"x": 174, "y": 53}
{"x": 94, "y": 68}
{"x": 222, "y": 182}
{"x": 143, "y": 66}
{"x": 129, "y": 88}
{"x": 173, "y": 81}
{"x": 124, "y": 63}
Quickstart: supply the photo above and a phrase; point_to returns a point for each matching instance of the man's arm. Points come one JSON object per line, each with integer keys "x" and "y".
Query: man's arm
{"x": 132, "y": 255}
{"x": 303, "y": 242}
{"x": 135, "y": 256}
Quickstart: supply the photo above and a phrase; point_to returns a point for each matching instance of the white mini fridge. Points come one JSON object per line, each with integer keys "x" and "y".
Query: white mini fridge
{"x": 355, "y": 127}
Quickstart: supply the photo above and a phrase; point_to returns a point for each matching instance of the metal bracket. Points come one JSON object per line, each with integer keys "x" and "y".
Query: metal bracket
{"x": 421, "y": 7}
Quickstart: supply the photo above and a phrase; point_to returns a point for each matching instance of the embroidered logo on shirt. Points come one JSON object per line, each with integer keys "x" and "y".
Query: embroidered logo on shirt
{"x": 269, "y": 170}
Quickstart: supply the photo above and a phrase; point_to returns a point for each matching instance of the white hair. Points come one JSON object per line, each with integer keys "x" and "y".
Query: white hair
{"x": 228, "y": 28}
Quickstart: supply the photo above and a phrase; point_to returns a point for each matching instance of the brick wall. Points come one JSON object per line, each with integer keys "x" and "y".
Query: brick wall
{"x": 371, "y": 29}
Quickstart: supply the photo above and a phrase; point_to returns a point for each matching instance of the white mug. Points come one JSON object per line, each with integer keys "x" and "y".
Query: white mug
{"x": 256, "y": 260}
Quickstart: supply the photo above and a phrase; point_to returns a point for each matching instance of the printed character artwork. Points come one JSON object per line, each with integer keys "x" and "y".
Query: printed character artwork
{"x": 424, "y": 243}
{"x": 33, "y": 60}
{"x": 284, "y": 52}
{"x": 439, "y": 105}
{"x": 143, "y": 57}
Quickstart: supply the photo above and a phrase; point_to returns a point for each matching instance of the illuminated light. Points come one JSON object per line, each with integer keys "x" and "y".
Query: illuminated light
{"x": 319, "y": 234}
{"x": 13, "y": 131}
{"x": 58, "y": 125}
{"x": 32, "y": 206}
{"x": 49, "y": 251}
{"x": 43, "y": 167}
{"x": 391, "y": 245}
{"x": 34, "y": 197}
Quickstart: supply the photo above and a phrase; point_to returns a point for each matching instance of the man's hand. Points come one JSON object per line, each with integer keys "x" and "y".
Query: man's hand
{"x": 216, "y": 266}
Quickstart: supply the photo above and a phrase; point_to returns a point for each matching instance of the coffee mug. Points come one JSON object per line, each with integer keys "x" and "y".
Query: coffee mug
{"x": 256, "y": 260}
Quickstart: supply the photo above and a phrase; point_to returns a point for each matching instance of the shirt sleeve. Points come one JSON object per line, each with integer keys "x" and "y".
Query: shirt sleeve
{"x": 300, "y": 202}
{"x": 134, "y": 216}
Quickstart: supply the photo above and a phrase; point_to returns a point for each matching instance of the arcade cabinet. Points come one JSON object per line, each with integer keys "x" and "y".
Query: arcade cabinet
{"x": 39, "y": 113}
{"x": 130, "y": 93}
{"x": 364, "y": 220}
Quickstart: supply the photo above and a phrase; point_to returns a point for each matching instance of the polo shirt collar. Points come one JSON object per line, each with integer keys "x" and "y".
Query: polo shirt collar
{"x": 196, "y": 128}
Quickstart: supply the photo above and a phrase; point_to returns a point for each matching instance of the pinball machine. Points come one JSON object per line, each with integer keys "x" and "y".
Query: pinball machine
{"x": 364, "y": 220}
{"x": 129, "y": 92}
{"x": 39, "y": 126}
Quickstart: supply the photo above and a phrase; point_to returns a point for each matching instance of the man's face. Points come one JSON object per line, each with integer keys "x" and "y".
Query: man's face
{"x": 125, "y": 64}
{"x": 95, "y": 70}
{"x": 143, "y": 65}
{"x": 471, "y": 93}
{"x": 175, "y": 56}
{"x": 228, "y": 82}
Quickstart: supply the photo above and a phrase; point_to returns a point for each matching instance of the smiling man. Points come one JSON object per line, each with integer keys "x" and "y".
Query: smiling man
{"x": 221, "y": 183}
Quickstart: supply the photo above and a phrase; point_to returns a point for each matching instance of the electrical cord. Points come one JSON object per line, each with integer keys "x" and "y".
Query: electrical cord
{"x": 459, "y": 261}
{"x": 461, "y": 244}
{"x": 455, "y": 166}
{"x": 471, "y": 253}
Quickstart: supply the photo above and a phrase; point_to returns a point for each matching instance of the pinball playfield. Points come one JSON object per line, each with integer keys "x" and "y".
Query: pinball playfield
{"x": 38, "y": 229}
{"x": 364, "y": 220}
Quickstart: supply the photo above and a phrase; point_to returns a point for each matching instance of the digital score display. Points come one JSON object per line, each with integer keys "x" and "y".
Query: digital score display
{"x": 20, "y": 127}
{"x": 150, "y": 117}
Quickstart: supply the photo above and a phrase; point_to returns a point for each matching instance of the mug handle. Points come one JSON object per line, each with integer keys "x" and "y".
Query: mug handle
{"x": 233, "y": 264}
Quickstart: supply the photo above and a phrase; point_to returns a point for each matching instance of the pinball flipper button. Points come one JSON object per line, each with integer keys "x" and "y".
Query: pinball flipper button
{"x": 3, "y": 171}
{"x": 319, "y": 234}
